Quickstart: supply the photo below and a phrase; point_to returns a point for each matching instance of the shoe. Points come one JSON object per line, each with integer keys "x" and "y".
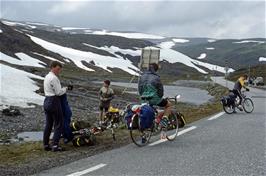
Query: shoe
{"x": 143, "y": 140}
{"x": 47, "y": 148}
{"x": 57, "y": 148}
{"x": 240, "y": 108}
{"x": 164, "y": 122}
{"x": 163, "y": 135}
{"x": 234, "y": 112}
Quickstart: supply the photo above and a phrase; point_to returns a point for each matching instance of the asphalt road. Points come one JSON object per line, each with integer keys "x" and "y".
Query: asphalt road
{"x": 218, "y": 145}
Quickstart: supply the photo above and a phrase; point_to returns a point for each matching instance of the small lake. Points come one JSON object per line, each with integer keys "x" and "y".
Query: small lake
{"x": 188, "y": 94}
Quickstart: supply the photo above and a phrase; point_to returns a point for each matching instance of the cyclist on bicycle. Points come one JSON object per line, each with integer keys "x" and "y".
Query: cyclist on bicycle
{"x": 150, "y": 88}
{"x": 240, "y": 83}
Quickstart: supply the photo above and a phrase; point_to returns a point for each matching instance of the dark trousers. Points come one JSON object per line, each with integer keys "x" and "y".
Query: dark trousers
{"x": 54, "y": 118}
{"x": 238, "y": 94}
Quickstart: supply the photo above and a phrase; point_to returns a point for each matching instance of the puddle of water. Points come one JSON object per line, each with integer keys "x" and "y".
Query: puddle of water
{"x": 31, "y": 136}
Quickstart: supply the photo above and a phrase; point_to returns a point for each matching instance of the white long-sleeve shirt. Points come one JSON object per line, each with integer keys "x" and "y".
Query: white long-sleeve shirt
{"x": 52, "y": 86}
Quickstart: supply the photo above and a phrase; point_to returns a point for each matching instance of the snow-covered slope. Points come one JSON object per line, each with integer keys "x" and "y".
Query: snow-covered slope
{"x": 17, "y": 88}
{"x": 172, "y": 56}
{"x": 132, "y": 35}
{"x": 24, "y": 59}
{"x": 78, "y": 56}
{"x": 166, "y": 53}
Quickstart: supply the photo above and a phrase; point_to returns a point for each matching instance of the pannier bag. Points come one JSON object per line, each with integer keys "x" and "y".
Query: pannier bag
{"x": 181, "y": 120}
{"x": 84, "y": 138}
{"x": 112, "y": 115}
{"x": 78, "y": 125}
{"x": 128, "y": 117}
{"x": 147, "y": 116}
{"x": 228, "y": 100}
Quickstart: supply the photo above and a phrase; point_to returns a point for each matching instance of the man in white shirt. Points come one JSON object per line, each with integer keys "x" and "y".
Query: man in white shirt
{"x": 52, "y": 107}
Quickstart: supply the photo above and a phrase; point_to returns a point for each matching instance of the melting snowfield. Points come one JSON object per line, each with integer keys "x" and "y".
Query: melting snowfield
{"x": 24, "y": 59}
{"x": 172, "y": 56}
{"x": 78, "y": 57}
{"x": 249, "y": 41}
{"x": 128, "y": 35}
{"x": 166, "y": 53}
{"x": 17, "y": 88}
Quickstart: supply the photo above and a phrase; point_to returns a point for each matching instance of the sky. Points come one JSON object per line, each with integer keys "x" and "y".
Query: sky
{"x": 213, "y": 18}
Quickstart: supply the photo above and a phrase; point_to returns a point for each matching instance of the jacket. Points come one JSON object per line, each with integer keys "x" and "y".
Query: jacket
{"x": 150, "y": 85}
{"x": 67, "y": 113}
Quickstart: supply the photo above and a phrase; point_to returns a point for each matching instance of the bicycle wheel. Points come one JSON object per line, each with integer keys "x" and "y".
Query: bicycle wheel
{"x": 172, "y": 129}
{"x": 248, "y": 105}
{"x": 140, "y": 137}
{"x": 228, "y": 109}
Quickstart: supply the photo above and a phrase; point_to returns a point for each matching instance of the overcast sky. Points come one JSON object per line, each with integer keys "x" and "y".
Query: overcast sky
{"x": 214, "y": 19}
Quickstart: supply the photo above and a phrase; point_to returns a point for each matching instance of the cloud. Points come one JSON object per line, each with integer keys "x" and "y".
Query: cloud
{"x": 218, "y": 19}
{"x": 66, "y": 7}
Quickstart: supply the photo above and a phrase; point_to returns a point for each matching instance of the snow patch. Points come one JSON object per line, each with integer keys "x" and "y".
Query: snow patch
{"x": 262, "y": 59}
{"x": 176, "y": 40}
{"x": 38, "y": 24}
{"x": 78, "y": 57}
{"x": 24, "y": 59}
{"x": 128, "y": 35}
{"x": 167, "y": 45}
{"x": 211, "y": 40}
{"x": 249, "y": 41}
{"x": 72, "y": 28}
{"x": 17, "y": 88}
{"x": 210, "y": 48}
{"x": 202, "y": 56}
{"x": 113, "y": 50}
{"x": 10, "y": 23}
{"x": 47, "y": 57}
{"x": 212, "y": 67}
{"x": 1, "y": 31}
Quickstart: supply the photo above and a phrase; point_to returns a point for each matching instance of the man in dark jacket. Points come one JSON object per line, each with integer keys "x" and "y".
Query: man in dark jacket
{"x": 150, "y": 88}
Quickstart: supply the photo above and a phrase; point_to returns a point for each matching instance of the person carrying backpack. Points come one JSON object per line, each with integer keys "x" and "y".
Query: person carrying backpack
{"x": 106, "y": 94}
{"x": 150, "y": 88}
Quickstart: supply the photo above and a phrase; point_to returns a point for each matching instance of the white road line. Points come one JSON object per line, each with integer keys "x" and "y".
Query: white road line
{"x": 179, "y": 133}
{"x": 216, "y": 116}
{"x": 87, "y": 170}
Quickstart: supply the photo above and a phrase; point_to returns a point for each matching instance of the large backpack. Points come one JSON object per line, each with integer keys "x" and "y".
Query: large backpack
{"x": 150, "y": 94}
{"x": 147, "y": 116}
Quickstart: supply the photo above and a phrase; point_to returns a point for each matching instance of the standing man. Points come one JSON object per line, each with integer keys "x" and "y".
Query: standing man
{"x": 52, "y": 107}
{"x": 106, "y": 94}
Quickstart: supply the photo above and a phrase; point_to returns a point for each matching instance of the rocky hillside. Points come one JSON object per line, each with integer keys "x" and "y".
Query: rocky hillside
{"x": 27, "y": 48}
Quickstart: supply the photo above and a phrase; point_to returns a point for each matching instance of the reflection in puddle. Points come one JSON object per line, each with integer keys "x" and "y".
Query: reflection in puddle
{"x": 31, "y": 136}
